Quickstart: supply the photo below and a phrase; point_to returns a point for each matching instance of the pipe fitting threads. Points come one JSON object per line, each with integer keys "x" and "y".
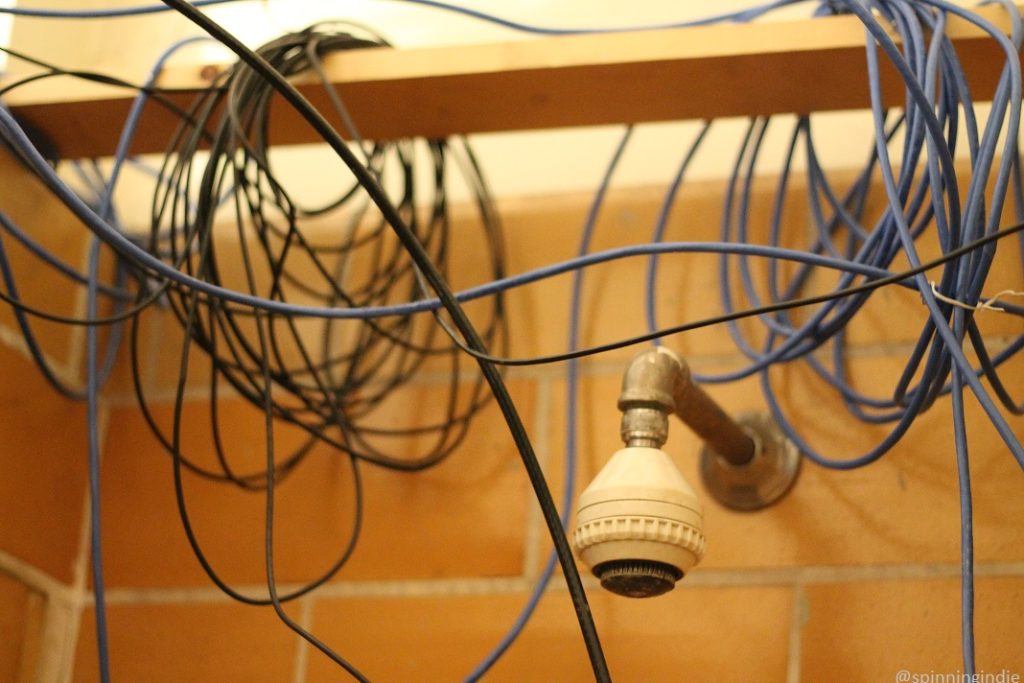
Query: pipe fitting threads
{"x": 644, "y": 427}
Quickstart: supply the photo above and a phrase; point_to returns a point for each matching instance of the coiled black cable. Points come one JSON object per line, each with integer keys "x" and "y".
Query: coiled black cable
{"x": 339, "y": 254}
{"x": 437, "y": 282}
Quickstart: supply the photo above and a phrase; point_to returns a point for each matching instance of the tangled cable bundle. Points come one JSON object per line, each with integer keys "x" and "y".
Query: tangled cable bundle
{"x": 927, "y": 206}
{"x": 317, "y": 314}
{"x": 327, "y": 376}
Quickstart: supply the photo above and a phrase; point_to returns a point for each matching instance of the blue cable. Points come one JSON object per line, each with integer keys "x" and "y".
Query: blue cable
{"x": 740, "y": 16}
{"x": 92, "y": 419}
{"x": 921, "y": 194}
{"x": 316, "y": 311}
{"x": 94, "y": 378}
{"x": 111, "y": 13}
{"x": 933, "y": 52}
{"x": 949, "y": 337}
{"x": 952, "y": 344}
{"x": 800, "y": 341}
{"x": 967, "y": 567}
{"x": 963, "y": 468}
{"x": 144, "y": 259}
{"x": 661, "y": 224}
{"x": 925, "y": 61}
{"x": 104, "y": 208}
{"x": 572, "y": 379}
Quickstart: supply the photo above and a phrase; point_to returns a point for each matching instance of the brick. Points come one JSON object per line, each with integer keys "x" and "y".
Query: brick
{"x": 32, "y": 208}
{"x": 414, "y": 524}
{"x": 20, "y": 614}
{"x": 691, "y": 632}
{"x": 188, "y": 642}
{"x": 43, "y": 458}
{"x": 870, "y": 631}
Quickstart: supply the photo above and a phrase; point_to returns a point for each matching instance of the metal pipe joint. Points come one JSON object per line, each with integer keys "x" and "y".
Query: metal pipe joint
{"x": 746, "y": 463}
{"x": 658, "y": 382}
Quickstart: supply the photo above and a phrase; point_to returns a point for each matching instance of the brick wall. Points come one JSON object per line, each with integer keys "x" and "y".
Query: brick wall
{"x": 853, "y": 577}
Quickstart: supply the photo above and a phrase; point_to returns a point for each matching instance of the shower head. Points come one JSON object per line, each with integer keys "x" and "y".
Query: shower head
{"x": 639, "y": 525}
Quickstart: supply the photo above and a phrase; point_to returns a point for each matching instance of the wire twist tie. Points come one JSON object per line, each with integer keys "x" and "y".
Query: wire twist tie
{"x": 983, "y": 305}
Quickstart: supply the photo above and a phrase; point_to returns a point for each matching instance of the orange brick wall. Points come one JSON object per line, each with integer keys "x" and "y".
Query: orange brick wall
{"x": 853, "y": 577}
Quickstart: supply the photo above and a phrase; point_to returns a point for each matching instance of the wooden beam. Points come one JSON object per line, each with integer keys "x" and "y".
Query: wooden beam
{"x": 691, "y": 73}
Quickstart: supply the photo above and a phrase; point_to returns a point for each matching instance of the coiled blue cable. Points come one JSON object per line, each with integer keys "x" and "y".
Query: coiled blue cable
{"x": 924, "y": 192}
{"x": 117, "y": 12}
{"x": 913, "y": 204}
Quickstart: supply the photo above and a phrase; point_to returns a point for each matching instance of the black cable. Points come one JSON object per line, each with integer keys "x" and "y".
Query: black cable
{"x": 180, "y": 499}
{"x": 339, "y": 390}
{"x": 156, "y": 93}
{"x": 437, "y": 282}
{"x": 275, "y": 599}
{"x": 868, "y": 286}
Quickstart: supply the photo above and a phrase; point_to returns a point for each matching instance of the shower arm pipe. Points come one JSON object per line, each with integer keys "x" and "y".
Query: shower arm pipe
{"x": 658, "y": 382}
{"x": 746, "y": 463}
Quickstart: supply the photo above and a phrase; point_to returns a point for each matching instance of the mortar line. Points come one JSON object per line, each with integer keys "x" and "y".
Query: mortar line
{"x": 31, "y": 646}
{"x": 62, "y": 625}
{"x": 80, "y": 595}
{"x": 162, "y": 397}
{"x": 543, "y": 447}
{"x": 818, "y": 574}
{"x": 711, "y": 578}
{"x": 588, "y": 368}
{"x": 796, "y": 626}
{"x": 76, "y": 335}
{"x": 58, "y": 641}
{"x": 31, "y": 576}
{"x": 301, "y": 666}
{"x": 12, "y": 339}
{"x": 347, "y": 589}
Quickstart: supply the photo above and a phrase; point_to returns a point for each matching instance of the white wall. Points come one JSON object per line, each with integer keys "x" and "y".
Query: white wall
{"x": 516, "y": 163}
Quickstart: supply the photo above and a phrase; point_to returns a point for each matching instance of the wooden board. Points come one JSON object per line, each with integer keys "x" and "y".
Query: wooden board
{"x": 691, "y": 73}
